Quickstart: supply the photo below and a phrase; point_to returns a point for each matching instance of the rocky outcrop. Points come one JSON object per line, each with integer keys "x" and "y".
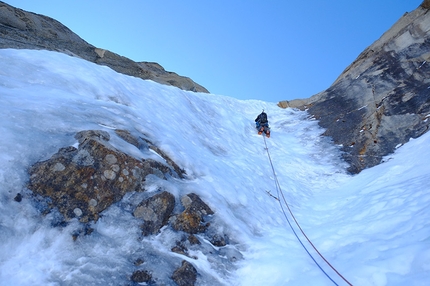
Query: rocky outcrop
{"x": 82, "y": 182}
{"x": 25, "y": 30}
{"x": 381, "y": 100}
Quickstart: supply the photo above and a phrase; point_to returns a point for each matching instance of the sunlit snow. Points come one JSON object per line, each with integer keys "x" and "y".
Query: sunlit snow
{"x": 373, "y": 228}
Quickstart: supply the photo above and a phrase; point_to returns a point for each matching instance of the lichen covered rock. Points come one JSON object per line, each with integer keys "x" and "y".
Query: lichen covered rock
{"x": 155, "y": 212}
{"x": 191, "y": 220}
{"x": 82, "y": 182}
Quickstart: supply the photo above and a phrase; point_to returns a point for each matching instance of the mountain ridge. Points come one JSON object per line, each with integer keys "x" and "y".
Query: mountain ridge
{"x": 21, "y": 29}
{"x": 380, "y": 100}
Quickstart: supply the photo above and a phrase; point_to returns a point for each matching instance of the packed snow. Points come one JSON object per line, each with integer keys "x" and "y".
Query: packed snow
{"x": 373, "y": 228}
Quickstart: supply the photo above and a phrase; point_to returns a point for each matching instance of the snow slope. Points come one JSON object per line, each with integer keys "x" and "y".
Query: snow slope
{"x": 373, "y": 227}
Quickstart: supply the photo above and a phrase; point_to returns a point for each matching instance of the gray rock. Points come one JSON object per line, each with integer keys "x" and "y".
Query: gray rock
{"x": 191, "y": 220}
{"x": 155, "y": 212}
{"x": 381, "y": 100}
{"x": 218, "y": 240}
{"x": 186, "y": 275}
{"x": 25, "y": 30}
{"x": 195, "y": 204}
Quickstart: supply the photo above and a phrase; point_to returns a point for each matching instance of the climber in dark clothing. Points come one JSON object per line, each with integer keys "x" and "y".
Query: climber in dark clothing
{"x": 262, "y": 124}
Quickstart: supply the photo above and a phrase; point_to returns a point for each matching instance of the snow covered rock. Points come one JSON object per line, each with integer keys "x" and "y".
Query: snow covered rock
{"x": 380, "y": 100}
{"x": 194, "y": 203}
{"x": 84, "y": 181}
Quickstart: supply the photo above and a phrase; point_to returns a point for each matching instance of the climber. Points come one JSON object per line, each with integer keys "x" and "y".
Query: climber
{"x": 262, "y": 124}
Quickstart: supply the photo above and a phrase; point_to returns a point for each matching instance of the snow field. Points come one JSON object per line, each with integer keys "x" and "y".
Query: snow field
{"x": 373, "y": 227}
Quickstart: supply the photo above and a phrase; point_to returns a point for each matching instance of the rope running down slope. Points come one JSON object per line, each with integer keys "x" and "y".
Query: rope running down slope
{"x": 279, "y": 194}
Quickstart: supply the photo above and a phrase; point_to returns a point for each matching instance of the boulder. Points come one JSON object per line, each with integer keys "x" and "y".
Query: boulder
{"x": 186, "y": 275}
{"x": 218, "y": 240}
{"x": 82, "y": 182}
{"x": 155, "y": 212}
{"x": 18, "y": 198}
{"x": 141, "y": 276}
{"x": 191, "y": 220}
{"x": 193, "y": 240}
{"x": 194, "y": 204}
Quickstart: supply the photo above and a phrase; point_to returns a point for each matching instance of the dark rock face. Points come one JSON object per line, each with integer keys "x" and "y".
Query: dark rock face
{"x": 155, "y": 212}
{"x": 18, "y": 198}
{"x": 141, "y": 276}
{"x": 25, "y": 30}
{"x": 382, "y": 99}
{"x": 84, "y": 181}
{"x": 186, "y": 275}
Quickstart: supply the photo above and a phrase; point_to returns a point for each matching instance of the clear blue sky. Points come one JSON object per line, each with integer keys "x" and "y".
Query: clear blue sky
{"x": 268, "y": 50}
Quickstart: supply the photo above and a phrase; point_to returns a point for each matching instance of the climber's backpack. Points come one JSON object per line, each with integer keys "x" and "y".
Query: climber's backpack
{"x": 263, "y": 117}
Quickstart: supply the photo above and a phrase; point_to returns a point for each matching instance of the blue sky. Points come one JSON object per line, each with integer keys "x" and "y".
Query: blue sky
{"x": 268, "y": 50}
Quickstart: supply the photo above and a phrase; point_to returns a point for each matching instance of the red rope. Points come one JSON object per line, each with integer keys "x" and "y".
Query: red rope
{"x": 295, "y": 220}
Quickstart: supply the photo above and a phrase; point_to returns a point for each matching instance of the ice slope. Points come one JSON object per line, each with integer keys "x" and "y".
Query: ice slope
{"x": 372, "y": 227}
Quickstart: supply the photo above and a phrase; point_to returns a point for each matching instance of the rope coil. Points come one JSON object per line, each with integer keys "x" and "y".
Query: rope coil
{"x": 281, "y": 194}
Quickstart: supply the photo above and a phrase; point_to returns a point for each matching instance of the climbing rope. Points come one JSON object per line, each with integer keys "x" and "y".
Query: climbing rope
{"x": 280, "y": 193}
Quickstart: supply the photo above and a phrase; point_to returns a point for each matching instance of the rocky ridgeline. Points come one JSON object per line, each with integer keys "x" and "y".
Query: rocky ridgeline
{"x": 382, "y": 99}
{"x": 20, "y": 29}
{"x": 82, "y": 182}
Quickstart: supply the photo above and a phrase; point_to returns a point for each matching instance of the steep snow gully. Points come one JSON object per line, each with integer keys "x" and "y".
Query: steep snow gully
{"x": 372, "y": 227}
